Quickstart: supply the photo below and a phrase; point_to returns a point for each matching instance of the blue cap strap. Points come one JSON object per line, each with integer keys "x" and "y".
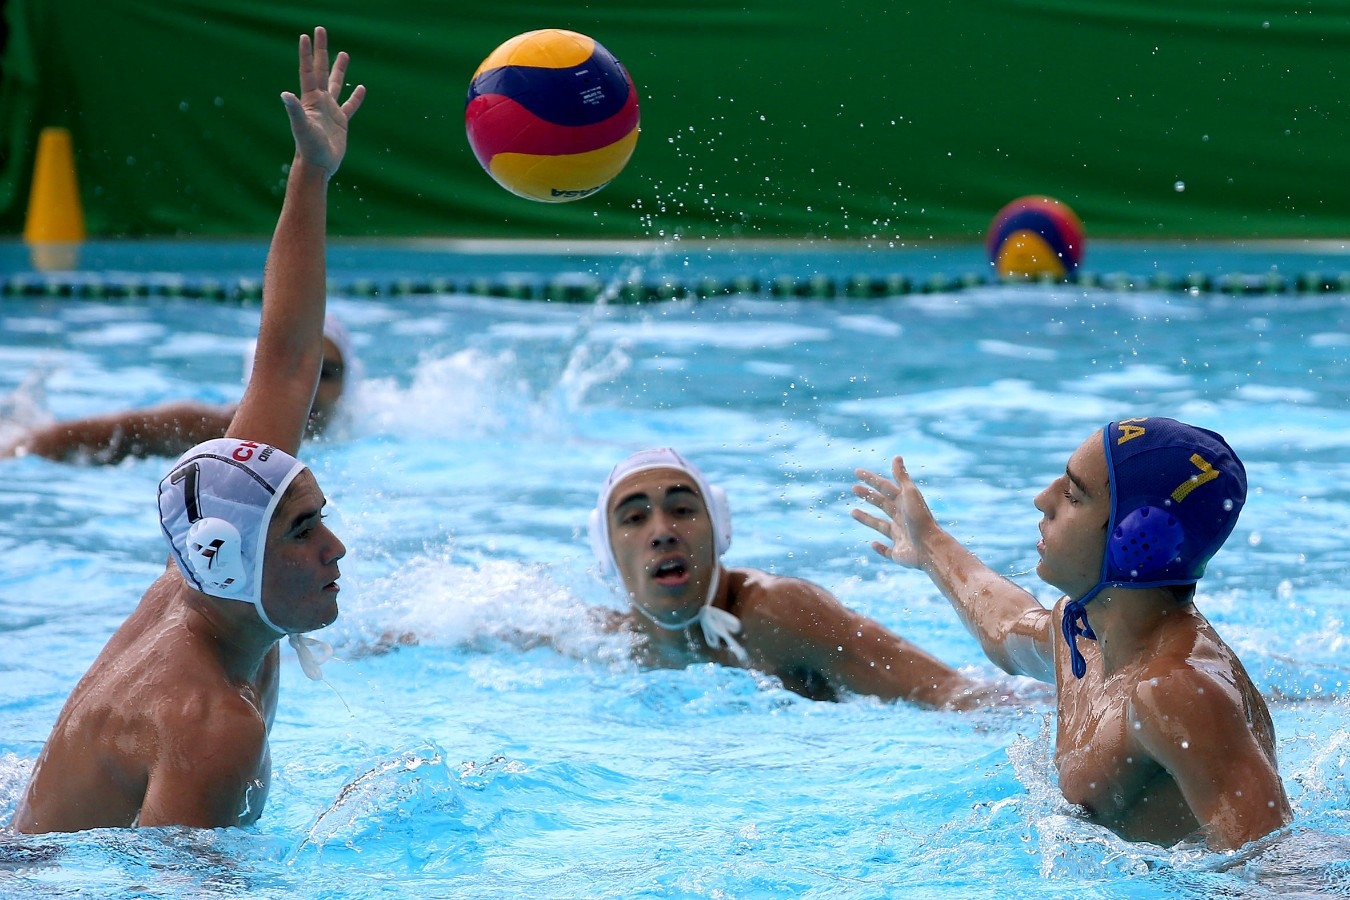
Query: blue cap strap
{"x": 1075, "y": 623}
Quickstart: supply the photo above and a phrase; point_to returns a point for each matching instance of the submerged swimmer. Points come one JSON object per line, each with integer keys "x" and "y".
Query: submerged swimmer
{"x": 172, "y": 428}
{"x": 1161, "y": 734}
{"x": 170, "y": 724}
{"x": 662, "y": 529}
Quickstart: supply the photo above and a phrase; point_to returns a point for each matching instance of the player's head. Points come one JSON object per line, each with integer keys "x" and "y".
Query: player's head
{"x": 661, "y": 528}
{"x": 1175, "y": 493}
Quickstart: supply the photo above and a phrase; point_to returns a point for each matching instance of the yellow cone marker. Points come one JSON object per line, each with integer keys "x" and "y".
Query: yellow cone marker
{"x": 55, "y": 225}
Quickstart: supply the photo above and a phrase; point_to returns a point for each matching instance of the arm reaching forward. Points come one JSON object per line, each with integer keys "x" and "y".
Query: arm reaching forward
{"x": 1013, "y": 628}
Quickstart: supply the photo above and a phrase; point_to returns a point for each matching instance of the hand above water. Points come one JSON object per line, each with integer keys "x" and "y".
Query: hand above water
{"x": 318, "y": 123}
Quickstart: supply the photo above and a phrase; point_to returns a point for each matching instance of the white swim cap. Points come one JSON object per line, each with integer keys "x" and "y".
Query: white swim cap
{"x": 719, "y": 626}
{"x": 645, "y": 460}
{"x": 215, "y": 505}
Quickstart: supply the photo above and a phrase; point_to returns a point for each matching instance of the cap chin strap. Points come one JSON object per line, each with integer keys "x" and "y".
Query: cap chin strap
{"x": 719, "y": 626}
{"x": 1075, "y": 624}
{"x": 311, "y": 652}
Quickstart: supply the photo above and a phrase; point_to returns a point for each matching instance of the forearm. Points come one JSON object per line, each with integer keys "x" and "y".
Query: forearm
{"x": 1009, "y": 623}
{"x": 892, "y": 668}
{"x": 296, "y": 270}
{"x": 295, "y": 277}
{"x": 162, "y": 431}
{"x": 290, "y": 336}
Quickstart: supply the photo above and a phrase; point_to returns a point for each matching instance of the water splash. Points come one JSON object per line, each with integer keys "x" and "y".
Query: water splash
{"x": 434, "y": 600}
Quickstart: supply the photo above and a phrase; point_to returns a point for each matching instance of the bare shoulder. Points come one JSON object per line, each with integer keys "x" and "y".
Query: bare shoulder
{"x": 1164, "y": 684}
{"x": 1200, "y": 689}
{"x": 158, "y": 664}
{"x": 213, "y": 726}
{"x": 780, "y": 598}
{"x": 202, "y": 721}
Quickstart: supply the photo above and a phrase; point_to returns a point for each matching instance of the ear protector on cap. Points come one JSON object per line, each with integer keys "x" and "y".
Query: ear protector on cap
{"x": 1146, "y": 541}
{"x": 215, "y": 551}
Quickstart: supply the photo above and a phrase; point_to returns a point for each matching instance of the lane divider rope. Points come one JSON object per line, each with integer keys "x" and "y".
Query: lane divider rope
{"x": 572, "y": 287}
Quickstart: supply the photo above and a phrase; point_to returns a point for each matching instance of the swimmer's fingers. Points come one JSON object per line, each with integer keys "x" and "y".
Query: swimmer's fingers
{"x": 354, "y": 101}
{"x": 318, "y": 123}
{"x": 899, "y": 549}
{"x": 309, "y": 77}
{"x": 877, "y": 491}
{"x": 338, "y": 77}
{"x": 900, "y": 473}
{"x": 878, "y": 482}
{"x": 880, "y": 525}
{"x": 318, "y": 74}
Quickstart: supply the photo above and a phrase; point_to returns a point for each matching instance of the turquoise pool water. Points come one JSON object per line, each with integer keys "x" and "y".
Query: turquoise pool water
{"x": 514, "y": 751}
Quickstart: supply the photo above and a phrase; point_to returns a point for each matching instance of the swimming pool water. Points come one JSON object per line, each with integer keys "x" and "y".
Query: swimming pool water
{"x": 515, "y": 751}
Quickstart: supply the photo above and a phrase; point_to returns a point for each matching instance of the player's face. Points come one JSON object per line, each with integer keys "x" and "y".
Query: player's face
{"x": 1075, "y": 509}
{"x": 662, "y": 537}
{"x": 332, "y": 380}
{"x": 300, "y": 573}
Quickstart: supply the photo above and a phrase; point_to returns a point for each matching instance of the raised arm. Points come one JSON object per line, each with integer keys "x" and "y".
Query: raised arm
{"x": 1013, "y": 628}
{"x": 280, "y": 390}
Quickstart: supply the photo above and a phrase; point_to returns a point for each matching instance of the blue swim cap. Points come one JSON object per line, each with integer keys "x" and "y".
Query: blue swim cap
{"x": 1176, "y": 491}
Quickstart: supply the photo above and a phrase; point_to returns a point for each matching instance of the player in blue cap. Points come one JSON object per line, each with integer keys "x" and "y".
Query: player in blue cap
{"x": 1161, "y": 736}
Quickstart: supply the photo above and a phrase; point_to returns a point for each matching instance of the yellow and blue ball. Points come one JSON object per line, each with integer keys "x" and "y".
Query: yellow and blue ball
{"x": 1035, "y": 237}
{"x": 552, "y": 115}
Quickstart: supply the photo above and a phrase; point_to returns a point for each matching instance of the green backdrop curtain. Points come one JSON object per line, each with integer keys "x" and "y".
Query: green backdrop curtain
{"x": 849, "y": 120}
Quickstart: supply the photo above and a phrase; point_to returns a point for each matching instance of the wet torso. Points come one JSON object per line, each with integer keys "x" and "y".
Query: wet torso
{"x": 135, "y": 707}
{"x": 1103, "y": 767}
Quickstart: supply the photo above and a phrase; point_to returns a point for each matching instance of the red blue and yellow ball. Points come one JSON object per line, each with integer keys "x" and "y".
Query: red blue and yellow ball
{"x": 552, "y": 115}
{"x": 1035, "y": 237}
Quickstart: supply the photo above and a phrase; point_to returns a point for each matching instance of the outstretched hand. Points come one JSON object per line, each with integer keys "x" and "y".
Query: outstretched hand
{"x": 906, "y": 515}
{"x": 318, "y": 123}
